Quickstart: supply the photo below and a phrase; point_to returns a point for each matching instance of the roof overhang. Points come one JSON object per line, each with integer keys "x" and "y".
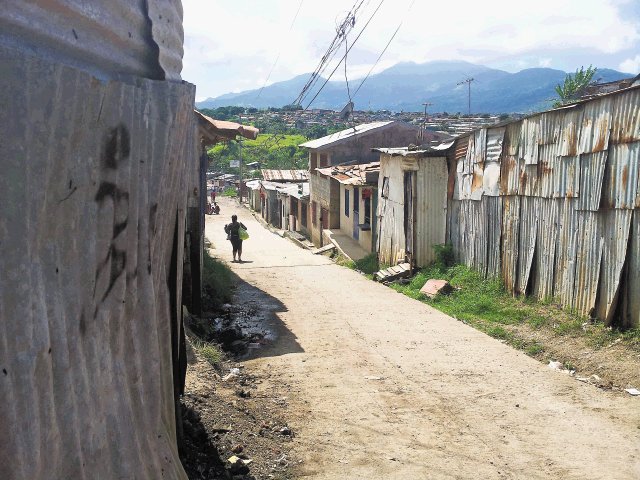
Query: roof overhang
{"x": 214, "y": 131}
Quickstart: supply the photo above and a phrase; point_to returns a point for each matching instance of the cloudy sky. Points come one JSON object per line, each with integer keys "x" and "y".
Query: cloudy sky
{"x": 231, "y": 45}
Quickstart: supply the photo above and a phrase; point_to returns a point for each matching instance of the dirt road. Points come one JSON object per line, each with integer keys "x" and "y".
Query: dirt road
{"x": 385, "y": 387}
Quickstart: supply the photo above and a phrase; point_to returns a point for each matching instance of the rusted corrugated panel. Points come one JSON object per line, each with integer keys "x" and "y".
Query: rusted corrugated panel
{"x": 494, "y": 234}
{"x": 453, "y": 228}
{"x": 430, "y": 208}
{"x": 93, "y": 195}
{"x": 529, "y": 140}
{"x": 460, "y": 148}
{"x": 622, "y": 171}
{"x": 593, "y": 134}
{"x": 510, "y": 240}
{"x": 546, "y": 240}
{"x": 391, "y": 238}
{"x": 527, "y": 240}
{"x": 287, "y": 175}
{"x": 550, "y": 127}
{"x": 616, "y": 224}
{"x": 565, "y": 259}
{"x": 588, "y": 257}
{"x": 491, "y": 173}
{"x": 629, "y": 311}
{"x": 568, "y": 139}
{"x": 142, "y": 38}
{"x": 511, "y": 168}
{"x": 625, "y": 120}
{"x": 592, "y": 167}
{"x": 529, "y": 181}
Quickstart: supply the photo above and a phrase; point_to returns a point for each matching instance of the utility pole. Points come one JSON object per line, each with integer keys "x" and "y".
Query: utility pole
{"x": 423, "y": 130}
{"x": 468, "y": 82}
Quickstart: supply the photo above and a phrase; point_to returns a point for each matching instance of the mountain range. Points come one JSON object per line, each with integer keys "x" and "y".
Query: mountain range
{"x": 406, "y": 86}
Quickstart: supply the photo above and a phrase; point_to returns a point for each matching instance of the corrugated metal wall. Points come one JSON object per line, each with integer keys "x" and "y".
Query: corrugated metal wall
{"x": 96, "y": 174}
{"x": 550, "y": 204}
{"x": 430, "y": 207}
{"x": 391, "y": 242}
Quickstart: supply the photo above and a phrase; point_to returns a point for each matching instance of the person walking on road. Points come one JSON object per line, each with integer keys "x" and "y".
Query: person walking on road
{"x": 234, "y": 235}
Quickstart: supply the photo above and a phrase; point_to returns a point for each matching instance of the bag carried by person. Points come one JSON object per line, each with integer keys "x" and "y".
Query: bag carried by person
{"x": 242, "y": 233}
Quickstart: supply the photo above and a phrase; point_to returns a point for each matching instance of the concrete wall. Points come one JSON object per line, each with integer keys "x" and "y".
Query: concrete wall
{"x": 365, "y": 238}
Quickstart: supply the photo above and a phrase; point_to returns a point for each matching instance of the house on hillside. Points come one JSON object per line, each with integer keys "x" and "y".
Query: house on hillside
{"x": 412, "y": 203}
{"x": 358, "y": 188}
{"x": 353, "y": 146}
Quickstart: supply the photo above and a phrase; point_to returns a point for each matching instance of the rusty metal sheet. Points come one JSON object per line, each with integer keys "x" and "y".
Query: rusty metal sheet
{"x": 529, "y": 140}
{"x": 550, "y": 127}
{"x": 286, "y": 175}
{"x": 594, "y": 130}
{"x": 93, "y": 192}
{"x": 495, "y": 139}
{"x": 625, "y": 123}
{"x": 615, "y": 230}
{"x": 529, "y": 183}
{"x": 511, "y": 167}
{"x": 546, "y": 240}
{"x": 493, "y": 211}
{"x": 119, "y": 37}
{"x": 527, "y": 240}
{"x": 629, "y": 312}
{"x": 592, "y": 167}
{"x": 453, "y": 228}
{"x": 622, "y": 171}
{"x": 510, "y": 240}
{"x": 568, "y": 140}
{"x": 565, "y": 259}
{"x": 589, "y": 246}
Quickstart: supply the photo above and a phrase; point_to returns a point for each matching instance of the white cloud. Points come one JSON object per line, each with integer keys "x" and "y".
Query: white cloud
{"x": 232, "y": 44}
{"x": 631, "y": 65}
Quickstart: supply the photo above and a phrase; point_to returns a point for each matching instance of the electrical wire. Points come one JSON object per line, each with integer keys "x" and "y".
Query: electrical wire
{"x": 384, "y": 50}
{"x": 346, "y": 53}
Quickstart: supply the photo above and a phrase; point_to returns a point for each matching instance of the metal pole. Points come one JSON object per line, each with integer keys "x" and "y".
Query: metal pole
{"x": 469, "y": 83}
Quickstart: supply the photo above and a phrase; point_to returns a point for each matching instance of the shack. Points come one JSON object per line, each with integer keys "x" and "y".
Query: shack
{"x": 412, "y": 203}
{"x": 352, "y": 145}
{"x": 358, "y": 187}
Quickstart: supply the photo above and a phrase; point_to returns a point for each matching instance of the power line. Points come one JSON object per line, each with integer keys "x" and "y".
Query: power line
{"x": 278, "y": 56}
{"x": 384, "y": 50}
{"x": 341, "y": 32}
{"x": 346, "y": 53}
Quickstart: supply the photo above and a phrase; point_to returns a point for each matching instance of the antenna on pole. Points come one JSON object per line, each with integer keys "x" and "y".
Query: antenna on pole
{"x": 468, "y": 82}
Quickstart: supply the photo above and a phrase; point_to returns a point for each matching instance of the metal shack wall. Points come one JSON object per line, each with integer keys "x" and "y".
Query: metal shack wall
{"x": 391, "y": 243}
{"x": 93, "y": 194}
{"x": 551, "y": 204}
{"x": 431, "y": 207}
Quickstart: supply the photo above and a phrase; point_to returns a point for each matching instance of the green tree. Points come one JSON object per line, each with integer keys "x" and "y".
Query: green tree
{"x": 574, "y": 84}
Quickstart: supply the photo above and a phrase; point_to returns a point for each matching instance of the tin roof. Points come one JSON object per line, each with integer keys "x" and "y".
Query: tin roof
{"x": 285, "y": 175}
{"x": 215, "y": 131}
{"x": 359, "y": 174}
{"x": 421, "y": 151}
{"x": 344, "y": 135}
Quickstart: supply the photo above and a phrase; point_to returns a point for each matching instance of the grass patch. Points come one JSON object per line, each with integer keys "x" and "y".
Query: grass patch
{"x": 230, "y": 192}
{"x": 210, "y": 352}
{"x": 487, "y": 306}
{"x": 217, "y": 282}
{"x": 368, "y": 264}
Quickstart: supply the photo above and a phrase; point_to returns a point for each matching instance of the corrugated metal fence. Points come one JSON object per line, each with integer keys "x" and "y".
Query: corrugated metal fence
{"x": 551, "y": 204}
{"x": 94, "y": 185}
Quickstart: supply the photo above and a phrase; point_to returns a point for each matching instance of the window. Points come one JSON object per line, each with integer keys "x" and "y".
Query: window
{"x": 324, "y": 161}
{"x": 303, "y": 219}
{"x": 313, "y": 162}
{"x": 346, "y": 202}
{"x": 314, "y": 213}
{"x": 367, "y": 211}
{"x": 385, "y": 187}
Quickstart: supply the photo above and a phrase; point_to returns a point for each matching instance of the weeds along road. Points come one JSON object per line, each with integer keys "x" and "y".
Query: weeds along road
{"x": 385, "y": 387}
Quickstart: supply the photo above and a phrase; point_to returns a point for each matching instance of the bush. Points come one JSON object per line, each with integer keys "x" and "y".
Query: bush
{"x": 217, "y": 282}
{"x": 230, "y": 192}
